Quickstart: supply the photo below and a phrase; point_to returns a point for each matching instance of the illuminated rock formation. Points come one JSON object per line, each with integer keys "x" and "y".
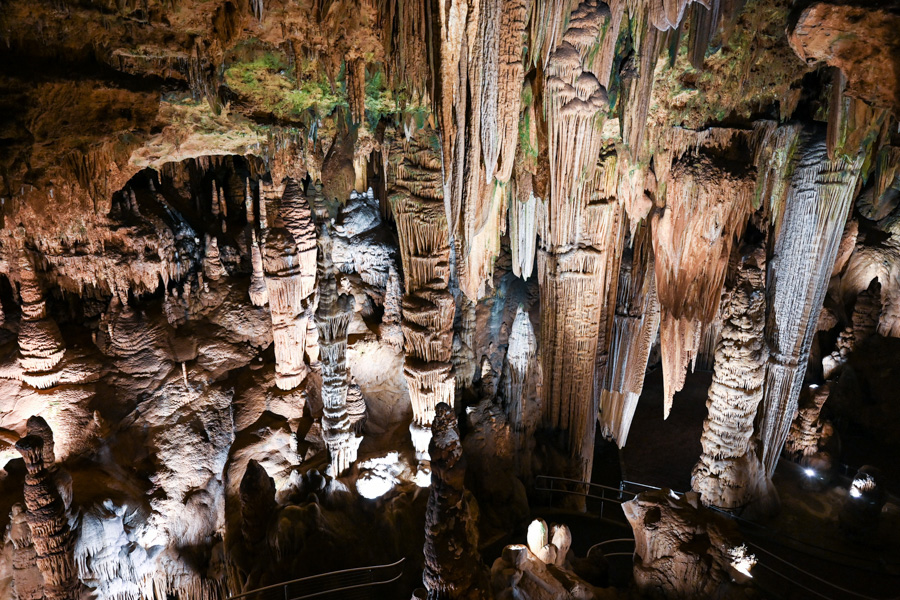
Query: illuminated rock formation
{"x": 453, "y": 568}
{"x": 684, "y": 550}
{"x": 729, "y": 474}
{"x": 806, "y": 244}
{"x": 41, "y": 345}
{"x": 259, "y": 295}
{"x": 806, "y": 431}
{"x": 707, "y": 204}
{"x": 868, "y": 57}
{"x": 520, "y": 387}
{"x": 577, "y": 305}
{"x": 332, "y": 319}
{"x": 416, "y": 199}
{"x": 635, "y": 326}
{"x": 284, "y": 287}
{"x": 49, "y": 525}
{"x": 864, "y": 321}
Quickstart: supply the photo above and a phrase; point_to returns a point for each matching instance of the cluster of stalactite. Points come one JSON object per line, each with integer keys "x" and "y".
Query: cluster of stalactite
{"x": 635, "y": 325}
{"x": 416, "y": 199}
{"x": 729, "y": 471}
{"x": 332, "y": 320}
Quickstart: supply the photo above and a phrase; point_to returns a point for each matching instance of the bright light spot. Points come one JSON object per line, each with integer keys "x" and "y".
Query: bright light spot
{"x": 742, "y": 560}
{"x": 809, "y": 472}
{"x": 855, "y": 493}
{"x": 673, "y": 495}
{"x": 378, "y": 475}
{"x": 423, "y": 477}
{"x": 373, "y": 485}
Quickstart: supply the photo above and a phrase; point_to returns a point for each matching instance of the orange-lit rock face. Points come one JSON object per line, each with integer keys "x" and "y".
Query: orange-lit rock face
{"x": 860, "y": 40}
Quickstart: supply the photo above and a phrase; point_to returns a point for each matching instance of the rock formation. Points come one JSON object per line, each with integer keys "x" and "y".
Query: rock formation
{"x": 332, "y": 319}
{"x": 729, "y": 474}
{"x": 41, "y": 345}
{"x": 257, "y": 503}
{"x": 49, "y": 524}
{"x": 684, "y": 550}
{"x": 427, "y": 308}
{"x": 806, "y": 430}
{"x": 453, "y": 568}
{"x": 806, "y": 245}
{"x": 635, "y": 326}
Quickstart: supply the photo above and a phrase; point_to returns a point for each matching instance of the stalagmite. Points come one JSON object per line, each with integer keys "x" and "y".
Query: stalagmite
{"x": 635, "y": 326}
{"x": 46, "y": 516}
{"x": 806, "y": 430}
{"x": 41, "y": 345}
{"x": 729, "y": 474}
{"x": 806, "y": 244}
{"x": 257, "y": 503}
{"x": 212, "y": 263}
{"x": 416, "y": 199}
{"x": 521, "y": 387}
{"x": 284, "y": 286}
{"x": 707, "y": 205}
{"x": 332, "y": 320}
{"x": 453, "y": 567}
{"x": 866, "y": 313}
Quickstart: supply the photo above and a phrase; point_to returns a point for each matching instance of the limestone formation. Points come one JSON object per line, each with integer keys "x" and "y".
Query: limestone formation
{"x": 49, "y": 524}
{"x": 806, "y": 245}
{"x": 332, "y": 319}
{"x": 427, "y": 308}
{"x": 41, "y": 345}
{"x": 28, "y": 582}
{"x": 635, "y": 326}
{"x": 692, "y": 254}
{"x": 684, "y": 550}
{"x": 729, "y": 474}
{"x": 806, "y": 433}
{"x": 453, "y": 568}
{"x": 284, "y": 288}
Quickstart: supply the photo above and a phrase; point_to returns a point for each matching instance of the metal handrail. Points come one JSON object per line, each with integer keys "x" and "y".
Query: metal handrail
{"x": 769, "y": 568}
{"x": 587, "y": 483}
{"x": 284, "y": 584}
{"x": 349, "y": 587}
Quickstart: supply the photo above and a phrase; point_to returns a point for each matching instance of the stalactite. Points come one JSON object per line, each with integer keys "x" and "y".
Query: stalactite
{"x": 453, "y": 567}
{"x": 296, "y": 212}
{"x": 46, "y": 516}
{"x": 391, "y": 331}
{"x": 356, "y": 89}
{"x": 510, "y": 77}
{"x": 806, "y": 243}
{"x": 41, "y": 345}
{"x": 574, "y": 102}
{"x": 284, "y": 287}
{"x": 259, "y": 296}
{"x": 707, "y": 205}
{"x": 523, "y": 213}
{"x": 635, "y": 326}
{"x": 729, "y": 474}
{"x": 332, "y": 321}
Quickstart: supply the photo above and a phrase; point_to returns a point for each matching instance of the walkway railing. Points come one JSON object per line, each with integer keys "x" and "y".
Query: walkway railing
{"x": 767, "y": 561}
{"x": 351, "y": 583}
